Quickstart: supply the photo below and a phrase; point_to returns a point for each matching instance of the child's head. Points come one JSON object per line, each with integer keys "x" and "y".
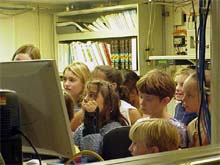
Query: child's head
{"x": 130, "y": 79}
{"x": 191, "y": 97}
{"x": 107, "y": 100}
{"x": 75, "y": 77}
{"x": 152, "y": 136}
{"x": 156, "y": 89}
{"x": 26, "y": 52}
{"x": 107, "y": 73}
{"x": 180, "y": 77}
{"x": 112, "y": 75}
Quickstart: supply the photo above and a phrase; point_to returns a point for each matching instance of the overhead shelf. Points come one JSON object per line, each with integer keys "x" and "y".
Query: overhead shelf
{"x": 176, "y": 57}
{"x": 97, "y": 35}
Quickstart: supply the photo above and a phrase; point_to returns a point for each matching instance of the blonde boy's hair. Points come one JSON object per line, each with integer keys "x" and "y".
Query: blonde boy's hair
{"x": 156, "y": 132}
{"x": 157, "y": 82}
{"x": 185, "y": 71}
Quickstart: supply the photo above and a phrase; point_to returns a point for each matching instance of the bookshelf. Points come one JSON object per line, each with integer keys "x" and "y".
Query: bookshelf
{"x": 124, "y": 22}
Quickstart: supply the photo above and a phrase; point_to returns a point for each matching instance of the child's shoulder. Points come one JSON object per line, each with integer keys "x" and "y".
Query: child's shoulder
{"x": 176, "y": 122}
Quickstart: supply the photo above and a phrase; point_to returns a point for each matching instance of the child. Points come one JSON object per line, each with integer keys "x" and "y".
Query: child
{"x": 180, "y": 112}
{"x": 156, "y": 89}
{"x": 153, "y": 136}
{"x": 191, "y": 102}
{"x": 113, "y": 76}
{"x": 75, "y": 77}
{"x": 26, "y": 52}
{"x": 101, "y": 114}
{"x": 130, "y": 79}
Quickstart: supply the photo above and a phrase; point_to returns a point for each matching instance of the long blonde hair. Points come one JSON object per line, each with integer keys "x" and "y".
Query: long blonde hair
{"x": 82, "y": 72}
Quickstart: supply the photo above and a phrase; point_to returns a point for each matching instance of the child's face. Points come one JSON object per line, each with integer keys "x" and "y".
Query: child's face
{"x": 134, "y": 97}
{"x": 151, "y": 104}
{"x": 22, "y": 57}
{"x": 191, "y": 97}
{"x": 179, "y": 79}
{"x": 72, "y": 84}
{"x": 94, "y": 95}
{"x": 138, "y": 148}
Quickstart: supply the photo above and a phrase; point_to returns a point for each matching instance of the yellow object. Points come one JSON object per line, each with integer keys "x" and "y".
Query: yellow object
{"x": 84, "y": 152}
{"x": 76, "y": 149}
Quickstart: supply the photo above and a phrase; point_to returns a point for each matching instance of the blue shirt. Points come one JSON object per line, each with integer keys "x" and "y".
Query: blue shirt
{"x": 182, "y": 115}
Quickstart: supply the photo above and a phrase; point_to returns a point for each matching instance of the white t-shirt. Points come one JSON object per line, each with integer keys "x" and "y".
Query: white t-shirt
{"x": 124, "y": 109}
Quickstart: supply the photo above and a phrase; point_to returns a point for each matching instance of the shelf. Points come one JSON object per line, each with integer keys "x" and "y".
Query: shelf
{"x": 176, "y": 57}
{"x": 97, "y": 35}
{"x": 97, "y": 10}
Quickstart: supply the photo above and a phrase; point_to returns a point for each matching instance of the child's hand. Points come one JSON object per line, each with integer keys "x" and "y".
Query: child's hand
{"x": 89, "y": 106}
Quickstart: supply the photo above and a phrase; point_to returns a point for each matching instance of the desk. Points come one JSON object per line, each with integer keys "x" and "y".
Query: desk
{"x": 44, "y": 162}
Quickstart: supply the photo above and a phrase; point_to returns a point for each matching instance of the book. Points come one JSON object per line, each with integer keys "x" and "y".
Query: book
{"x": 97, "y": 53}
{"x": 133, "y": 57}
{"x": 60, "y": 24}
{"x": 133, "y": 14}
{"x": 93, "y": 28}
{"x": 105, "y": 53}
{"x": 115, "y": 56}
{"x": 63, "y": 56}
{"x": 105, "y": 21}
{"x": 122, "y": 56}
{"x": 102, "y": 23}
{"x": 128, "y": 19}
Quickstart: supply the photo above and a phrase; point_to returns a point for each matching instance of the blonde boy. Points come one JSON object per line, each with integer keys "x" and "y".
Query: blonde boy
{"x": 153, "y": 136}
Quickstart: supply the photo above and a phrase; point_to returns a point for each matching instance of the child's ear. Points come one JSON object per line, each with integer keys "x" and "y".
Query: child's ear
{"x": 165, "y": 100}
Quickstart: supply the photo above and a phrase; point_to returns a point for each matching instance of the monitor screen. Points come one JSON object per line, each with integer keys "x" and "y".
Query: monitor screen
{"x": 44, "y": 119}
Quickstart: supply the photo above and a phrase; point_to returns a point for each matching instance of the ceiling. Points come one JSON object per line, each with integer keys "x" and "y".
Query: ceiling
{"x": 46, "y": 1}
{"x": 50, "y": 4}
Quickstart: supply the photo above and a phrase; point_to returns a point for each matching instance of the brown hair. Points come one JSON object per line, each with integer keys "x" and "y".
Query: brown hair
{"x": 69, "y": 104}
{"x": 111, "y": 111}
{"x": 29, "y": 49}
{"x": 157, "y": 82}
{"x": 114, "y": 76}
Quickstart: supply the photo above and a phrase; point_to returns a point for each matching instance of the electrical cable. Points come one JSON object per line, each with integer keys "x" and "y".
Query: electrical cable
{"x": 29, "y": 141}
{"x": 84, "y": 152}
{"x": 207, "y": 118}
{"x": 149, "y": 31}
{"x": 195, "y": 28}
{"x": 152, "y": 27}
{"x": 204, "y": 114}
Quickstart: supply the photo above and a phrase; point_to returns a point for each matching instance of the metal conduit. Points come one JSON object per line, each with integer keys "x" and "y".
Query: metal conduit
{"x": 215, "y": 72}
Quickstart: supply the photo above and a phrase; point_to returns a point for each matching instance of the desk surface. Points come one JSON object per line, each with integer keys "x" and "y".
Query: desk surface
{"x": 43, "y": 162}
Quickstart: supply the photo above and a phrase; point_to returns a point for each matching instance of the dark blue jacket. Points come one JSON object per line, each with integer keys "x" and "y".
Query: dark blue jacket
{"x": 182, "y": 115}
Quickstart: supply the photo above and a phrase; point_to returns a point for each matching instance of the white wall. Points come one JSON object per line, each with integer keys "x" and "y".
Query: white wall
{"x": 7, "y": 44}
{"x": 28, "y": 28}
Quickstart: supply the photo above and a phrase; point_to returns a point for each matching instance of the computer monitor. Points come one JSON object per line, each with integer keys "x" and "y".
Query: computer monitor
{"x": 44, "y": 118}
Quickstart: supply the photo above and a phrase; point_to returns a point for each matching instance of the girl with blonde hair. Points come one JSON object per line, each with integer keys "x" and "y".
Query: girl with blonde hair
{"x": 75, "y": 77}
